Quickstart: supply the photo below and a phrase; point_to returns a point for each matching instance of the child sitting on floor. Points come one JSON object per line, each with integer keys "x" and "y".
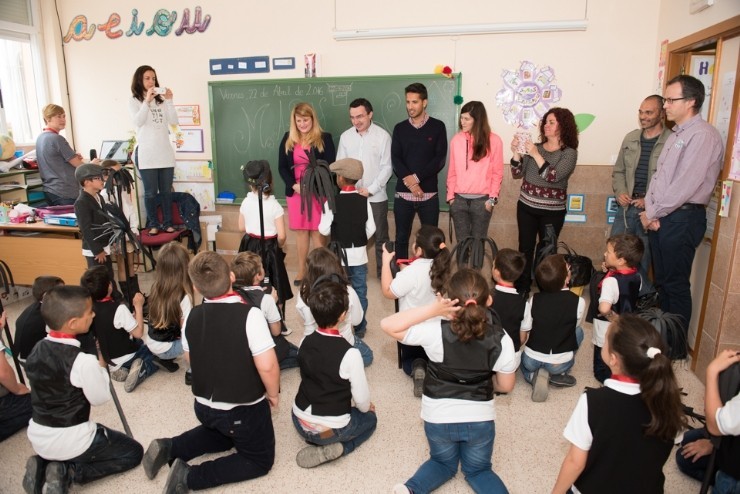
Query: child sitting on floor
{"x": 332, "y": 377}
{"x": 30, "y": 327}
{"x": 508, "y": 266}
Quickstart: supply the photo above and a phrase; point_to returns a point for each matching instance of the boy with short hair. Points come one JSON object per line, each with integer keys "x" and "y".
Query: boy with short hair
{"x": 249, "y": 273}
{"x": 91, "y": 218}
{"x": 616, "y": 293}
{"x": 332, "y": 377}
{"x": 30, "y": 327}
{"x": 552, "y": 320}
{"x": 507, "y": 302}
{"x": 236, "y": 380}
{"x": 64, "y": 383}
{"x": 118, "y": 331}
{"x": 351, "y": 227}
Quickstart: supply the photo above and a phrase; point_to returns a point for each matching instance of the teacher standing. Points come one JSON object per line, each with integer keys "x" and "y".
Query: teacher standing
{"x": 153, "y": 111}
{"x": 544, "y": 170}
{"x": 304, "y": 138}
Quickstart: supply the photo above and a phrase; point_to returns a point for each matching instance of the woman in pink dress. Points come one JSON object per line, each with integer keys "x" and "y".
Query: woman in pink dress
{"x": 305, "y": 137}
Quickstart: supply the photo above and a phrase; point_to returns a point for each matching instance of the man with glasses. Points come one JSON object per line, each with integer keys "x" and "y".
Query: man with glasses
{"x": 635, "y": 166}
{"x": 678, "y": 193}
{"x": 371, "y": 144}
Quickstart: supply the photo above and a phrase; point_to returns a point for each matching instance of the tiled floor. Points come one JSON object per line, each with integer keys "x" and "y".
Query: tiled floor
{"x": 529, "y": 446}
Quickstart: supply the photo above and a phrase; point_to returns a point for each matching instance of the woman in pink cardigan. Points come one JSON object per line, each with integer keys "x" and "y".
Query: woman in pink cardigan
{"x": 475, "y": 173}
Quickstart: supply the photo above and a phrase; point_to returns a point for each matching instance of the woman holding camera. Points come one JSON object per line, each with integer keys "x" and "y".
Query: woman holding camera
{"x": 153, "y": 111}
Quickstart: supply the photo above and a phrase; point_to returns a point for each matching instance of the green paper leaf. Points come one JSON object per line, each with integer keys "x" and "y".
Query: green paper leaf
{"x": 583, "y": 120}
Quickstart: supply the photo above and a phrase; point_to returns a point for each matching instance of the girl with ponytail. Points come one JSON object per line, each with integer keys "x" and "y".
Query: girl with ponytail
{"x": 470, "y": 357}
{"x": 622, "y": 434}
{"x": 416, "y": 285}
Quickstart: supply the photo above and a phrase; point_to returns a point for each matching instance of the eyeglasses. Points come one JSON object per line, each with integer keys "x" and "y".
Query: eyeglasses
{"x": 670, "y": 101}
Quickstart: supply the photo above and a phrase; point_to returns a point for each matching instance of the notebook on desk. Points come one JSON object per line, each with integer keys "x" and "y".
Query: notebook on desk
{"x": 114, "y": 150}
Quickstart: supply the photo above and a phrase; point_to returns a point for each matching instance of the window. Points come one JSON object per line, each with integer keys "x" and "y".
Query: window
{"x": 21, "y": 86}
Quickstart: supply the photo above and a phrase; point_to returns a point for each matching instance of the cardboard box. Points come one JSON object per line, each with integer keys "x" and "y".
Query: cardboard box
{"x": 227, "y": 244}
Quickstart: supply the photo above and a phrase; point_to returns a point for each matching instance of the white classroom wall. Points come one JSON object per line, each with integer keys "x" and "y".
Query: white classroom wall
{"x": 605, "y": 70}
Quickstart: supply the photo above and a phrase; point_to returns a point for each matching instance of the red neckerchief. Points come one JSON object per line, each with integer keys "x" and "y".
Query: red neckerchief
{"x": 51, "y": 130}
{"x": 611, "y": 272}
{"x": 406, "y": 261}
{"x": 504, "y": 284}
{"x": 58, "y": 334}
{"x": 348, "y": 188}
{"x": 329, "y": 331}
{"x": 624, "y": 379}
{"x": 106, "y": 299}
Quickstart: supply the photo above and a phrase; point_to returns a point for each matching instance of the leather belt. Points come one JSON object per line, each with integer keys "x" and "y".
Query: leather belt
{"x": 690, "y": 206}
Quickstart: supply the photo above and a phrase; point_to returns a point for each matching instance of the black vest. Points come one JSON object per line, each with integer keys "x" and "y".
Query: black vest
{"x": 348, "y": 227}
{"x": 629, "y": 291}
{"x": 510, "y": 309}
{"x": 554, "y": 320}
{"x": 321, "y": 387}
{"x": 728, "y": 456}
{"x": 222, "y": 364}
{"x": 621, "y": 459}
{"x": 465, "y": 372}
{"x": 56, "y": 402}
{"x": 173, "y": 332}
{"x": 253, "y": 297}
{"x": 114, "y": 342}
{"x": 30, "y": 328}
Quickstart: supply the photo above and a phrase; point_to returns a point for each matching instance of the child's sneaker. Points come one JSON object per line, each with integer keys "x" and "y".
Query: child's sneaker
{"x": 313, "y": 456}
{"x": 540, "y": 386}
{"x": 135, "y": 375}
{"x": 401, "y": 489}
{"x": 563, "y": 380}
{"x": 285, "y": 331}
{"x": 120, "y": 374}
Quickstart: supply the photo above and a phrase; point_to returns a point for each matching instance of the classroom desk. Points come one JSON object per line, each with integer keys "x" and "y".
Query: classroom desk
{"x": 48, "y": 250}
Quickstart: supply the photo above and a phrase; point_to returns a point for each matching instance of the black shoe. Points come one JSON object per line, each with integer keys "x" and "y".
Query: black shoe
{"x": 562, "y": 380}
{"x": 177, "y": 480}
{"x": 188, "y": 378}
{"x": 33, "y": 479}
{"x": 57, "y": 481}
{"x": 157, "y": 454}
{"x": 167, "y": 364}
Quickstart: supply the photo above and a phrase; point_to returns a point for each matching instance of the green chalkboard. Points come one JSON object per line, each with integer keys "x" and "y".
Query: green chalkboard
{"x": 249, "y": 118}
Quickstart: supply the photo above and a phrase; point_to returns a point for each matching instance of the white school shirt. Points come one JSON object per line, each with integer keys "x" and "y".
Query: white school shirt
{"x": 65, "y": 443}
{"x": 258, "y": 335}
{"x": 250, "y": 211}
{"x": 412, "y": 285}
{"x": 123, "y": 319}
{"x": 728, "y": 417}
{"x": 428, "y": 335}
{"x": 609, "y": 293}
{"x": 267, "y": 305}
{"x": 373, "y": 149}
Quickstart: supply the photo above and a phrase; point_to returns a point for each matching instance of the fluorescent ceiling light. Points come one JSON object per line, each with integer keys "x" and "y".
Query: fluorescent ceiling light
{"x": 462, "y": 30}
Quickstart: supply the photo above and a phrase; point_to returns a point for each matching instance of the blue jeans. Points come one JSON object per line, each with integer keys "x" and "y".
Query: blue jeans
{"x": 15, "y": 412}
{"x": 174, "y": 351}
{"x": 530, "y": 365}
{"x": 110, "y": 452}
{"x": 724, "y": 484}
{"x": 158, "y": 182}
{"x": 247, "y": 429}
{"x": 361, "y": 426}
{"x": 697, "y": 469}
{"x": 403, "y": 212}
{"x": 628, "y": 221}
{"x": 469, "y": 444}
{"x": 674, "y": 246}
{"x": 365, "y": 351}
{"x": 358, "y": 278}
{"x": 290, "y": 361}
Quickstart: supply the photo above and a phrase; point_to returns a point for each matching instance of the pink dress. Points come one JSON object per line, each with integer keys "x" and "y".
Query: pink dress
{"x": 296, "y": 219}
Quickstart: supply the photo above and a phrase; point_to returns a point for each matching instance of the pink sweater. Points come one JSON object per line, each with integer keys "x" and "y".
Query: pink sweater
{"x": 466, "y": 176}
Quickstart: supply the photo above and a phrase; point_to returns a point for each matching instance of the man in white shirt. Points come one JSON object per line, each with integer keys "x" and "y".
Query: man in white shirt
{"x": 371, "y": 144}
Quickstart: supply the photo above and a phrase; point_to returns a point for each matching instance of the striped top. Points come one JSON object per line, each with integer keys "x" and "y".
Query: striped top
{"x": 641, "y": 172}
{"x": 546, "y": 187}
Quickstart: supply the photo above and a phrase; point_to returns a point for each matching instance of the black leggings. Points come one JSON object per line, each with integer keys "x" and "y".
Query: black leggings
{"x": 532, "y": 223}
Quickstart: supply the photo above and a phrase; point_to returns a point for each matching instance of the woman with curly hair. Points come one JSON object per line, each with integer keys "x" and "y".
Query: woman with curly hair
{"x": 544, "y": 169}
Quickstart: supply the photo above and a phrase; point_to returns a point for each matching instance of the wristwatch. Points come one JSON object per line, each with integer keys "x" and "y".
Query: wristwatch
{"x": 492, "y": 201}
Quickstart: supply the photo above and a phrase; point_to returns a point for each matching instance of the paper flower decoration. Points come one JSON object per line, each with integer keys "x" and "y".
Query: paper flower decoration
{"x": 444, "y": 70}
{"x": 527, "y": 94}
